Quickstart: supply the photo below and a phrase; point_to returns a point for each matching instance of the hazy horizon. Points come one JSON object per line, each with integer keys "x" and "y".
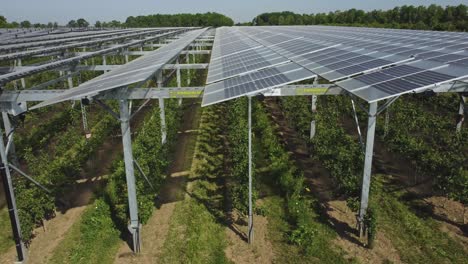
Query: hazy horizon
{"x": 240, "y": 11}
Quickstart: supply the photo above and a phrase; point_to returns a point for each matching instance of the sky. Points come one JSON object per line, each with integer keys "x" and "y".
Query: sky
{"x": 62, "y": 11}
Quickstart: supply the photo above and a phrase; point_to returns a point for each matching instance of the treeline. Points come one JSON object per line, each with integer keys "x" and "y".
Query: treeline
{"x": 180, "y": 20}
{"x": 25, "y": 24}
{"x": 433, "y": 17}
{"x": 157, "y": 20}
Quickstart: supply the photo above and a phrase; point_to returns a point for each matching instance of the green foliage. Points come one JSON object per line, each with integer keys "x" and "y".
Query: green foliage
{"x": 431, "y": 17}
{"x": 418, "y": 240}
{"x": 82, "y": 23}
{"x": 337, "y": 151}
{"x": 93, "y": 240}
{"x": 370, "y": 221}
{"x": 307, "y": 232}
{"x": 3, "y": 22}
{"x": 197, "y": 217}
{"x": 6, "y": 239}
{"x": 237, "y": 136}
{"x": 153, "y": 157}
{"x": 204, "y": 239}
{"x": 71, "y": 151}
{"x": 303, "y": 236}
{"x": 25, "y": 24}
{"x": 180, "y": 20}
{"x": 428, "y": 139}
{"x": 72, "y": 23}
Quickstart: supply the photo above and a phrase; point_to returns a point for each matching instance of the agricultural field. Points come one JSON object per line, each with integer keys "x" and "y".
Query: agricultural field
{"x": 248, "y": 179}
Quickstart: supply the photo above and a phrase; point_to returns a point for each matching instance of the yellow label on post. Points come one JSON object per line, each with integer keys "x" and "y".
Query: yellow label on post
{"x": 187, "y": 94}
{"x": 311, "y": 91}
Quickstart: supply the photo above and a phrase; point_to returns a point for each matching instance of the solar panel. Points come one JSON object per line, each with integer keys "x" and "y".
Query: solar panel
{"x": 133, "y": 72}
{"x": 242, "y": 62}
{"x": 428, "y": 77}
{"x": 106, "y": 38}
{"x": 71, "y": 39}
{"x": 255, "y": 82}
{"x": 406, "y": 84}
{"x": 337, "y": 53}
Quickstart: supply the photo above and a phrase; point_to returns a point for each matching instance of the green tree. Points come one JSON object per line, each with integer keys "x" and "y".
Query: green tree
{"x": 98, "y": 24}
{"x": 25, "y": 24}
{"x": 3, "y": 22}
{"x": 179, "y": 20}
{"x": 82, "y": 23}
{"x": 289, "y": 20}
{"x": 281, "y": 21}
{"x": 72, "y": 24}
{"x": 432, "y": 17}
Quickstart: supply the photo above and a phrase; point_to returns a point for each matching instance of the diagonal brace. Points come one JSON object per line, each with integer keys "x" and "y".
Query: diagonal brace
{"x": 29, "y": 178}
{"x": 143, "y": 174}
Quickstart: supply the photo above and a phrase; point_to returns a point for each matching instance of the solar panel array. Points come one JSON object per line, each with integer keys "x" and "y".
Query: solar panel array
{"x": 254, "y": 82}
{"x": 242, "y": 65}
{"x": 21, "y": 73}
{"x": 16, "y": 37}
{"x": 71, "y": 43}
{"x": 136, "y": 71}
{"x": 373, "y": 64}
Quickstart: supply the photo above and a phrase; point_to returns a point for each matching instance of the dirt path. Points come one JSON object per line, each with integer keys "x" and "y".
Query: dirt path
{"x": 240, "y": 252}
{"x": 340, "y": 217}
{"x": 155, "y": 232}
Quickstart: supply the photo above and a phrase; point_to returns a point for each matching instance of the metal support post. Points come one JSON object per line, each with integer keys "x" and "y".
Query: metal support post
{"x": 126, "y": 56}
{"x": 86, "y": 61}
{"x": 23, "y": 82}
{"x": 162, "y": 112}
{"x": 70, "y": 80}
{"x": 179, "y": 82}
{"x": 104, "y": 61}
{"x": 367, "y": 167}
{"x": 356, "y": 120}
{"x": 314, "y": 111}
{"x": 461, "y": 113}
{"x": 11, "y": 202}
{"x": 313, "y": 128}
{"x": 134, "y": 226}
{"x": 250, "y": 227}
{"x": 188, "y": 71}
{"x": 8, "y": 131}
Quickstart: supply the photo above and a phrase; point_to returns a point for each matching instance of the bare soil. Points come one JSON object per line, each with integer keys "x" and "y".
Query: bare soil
{"x": 240, "y": 252}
